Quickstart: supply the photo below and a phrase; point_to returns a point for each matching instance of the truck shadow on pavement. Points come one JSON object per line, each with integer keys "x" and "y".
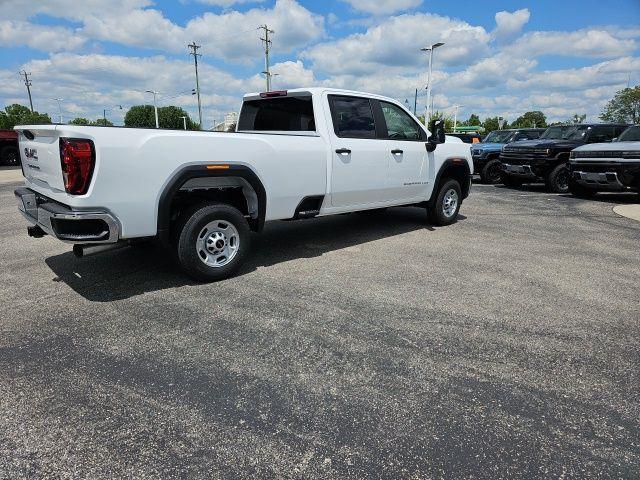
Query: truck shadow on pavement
{"x": 132, "y": 271}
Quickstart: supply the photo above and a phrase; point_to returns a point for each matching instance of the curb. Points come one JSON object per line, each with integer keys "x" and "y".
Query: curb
{"x": 628, "y": 211}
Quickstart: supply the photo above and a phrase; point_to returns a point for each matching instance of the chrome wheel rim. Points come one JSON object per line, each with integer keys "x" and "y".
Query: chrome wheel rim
{"x": 450, "y": 203}
{"x": 218, "y": 243}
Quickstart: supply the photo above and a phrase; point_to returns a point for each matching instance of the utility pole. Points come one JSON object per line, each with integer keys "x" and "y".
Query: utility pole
{"x": 194, "y": 51}
{"x": 184, "y": 120}
{"x": 415, "y": 102}
{"x": 27, "y": 82}
{"x": 59, "y": 106}
{"x": 430, "y": 49}
{"x": 155, "y": 106}
{"x": 267, "y": 48}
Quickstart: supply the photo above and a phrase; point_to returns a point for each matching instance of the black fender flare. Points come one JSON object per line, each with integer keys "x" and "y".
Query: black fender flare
{"x": 200, "y": 171}
{"x": 457, "y": 163}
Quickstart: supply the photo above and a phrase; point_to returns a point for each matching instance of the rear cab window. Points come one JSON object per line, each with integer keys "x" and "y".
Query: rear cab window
{"x": 352, "y": 117}
{"x": 281, "y": 114}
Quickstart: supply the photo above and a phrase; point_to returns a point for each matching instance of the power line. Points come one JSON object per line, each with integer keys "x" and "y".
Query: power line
{"x": 27, "y": 82}
{"x": 267, "y": 47}
{"x": 194, "y": 51}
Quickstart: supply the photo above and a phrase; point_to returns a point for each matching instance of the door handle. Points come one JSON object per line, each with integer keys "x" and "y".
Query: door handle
{"x": 397, "y": 151}
{"x": 343, "y": 151}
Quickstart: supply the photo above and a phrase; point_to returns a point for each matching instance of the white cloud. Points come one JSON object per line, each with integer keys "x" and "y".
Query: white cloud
{"x": 227, "y": 3}
{"x": 509, "y": 24}
{"x": 395, "y": 45}
{"x": 41, "y": 37}
{"x": 383, "y": 7}
{"x": 579, "y": 43}
{"x": 234, "y": 36}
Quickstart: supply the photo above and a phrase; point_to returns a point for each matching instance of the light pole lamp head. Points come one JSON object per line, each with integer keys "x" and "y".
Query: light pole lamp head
{"x": 432, "y": 47}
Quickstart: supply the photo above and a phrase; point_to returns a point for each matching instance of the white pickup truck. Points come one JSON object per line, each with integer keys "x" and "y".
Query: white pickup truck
{"x": 296, "y": 154}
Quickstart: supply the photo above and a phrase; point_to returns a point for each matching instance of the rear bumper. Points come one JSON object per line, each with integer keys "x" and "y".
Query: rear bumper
{"x": 66, "y": 224}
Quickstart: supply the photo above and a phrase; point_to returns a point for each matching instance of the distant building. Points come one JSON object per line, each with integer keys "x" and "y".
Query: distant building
{"x": 230, "y": 120}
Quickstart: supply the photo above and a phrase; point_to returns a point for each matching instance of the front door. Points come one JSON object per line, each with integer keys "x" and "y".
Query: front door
{"x": 405, "y": 145}
{"x": 360, "y": 164}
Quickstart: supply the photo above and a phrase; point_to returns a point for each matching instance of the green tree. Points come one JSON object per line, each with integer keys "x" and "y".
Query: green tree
{"x": 535, "y": 119}
{"x": 79, "y": 121}
{"x": 20, "y": 115}
{"x": 624, "y": 107}
{"x": 490, "y": 124}
{"x": 474, "y": 120}
{"x": 448, "y": 121}
{"x": 143, "y": 116}
{"x": 103, "y": 122}
{"x": 577, "y": 119}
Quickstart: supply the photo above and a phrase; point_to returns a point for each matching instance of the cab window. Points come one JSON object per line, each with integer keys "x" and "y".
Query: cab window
{"x": 400, "y": 126}
{"x": 352, "y": 117}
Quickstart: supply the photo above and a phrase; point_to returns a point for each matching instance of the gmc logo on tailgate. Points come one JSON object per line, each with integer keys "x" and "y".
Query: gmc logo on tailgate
{"x": 31, "y": 153}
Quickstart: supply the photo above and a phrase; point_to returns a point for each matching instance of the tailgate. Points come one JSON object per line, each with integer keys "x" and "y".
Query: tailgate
{"x": 40, "y": 155}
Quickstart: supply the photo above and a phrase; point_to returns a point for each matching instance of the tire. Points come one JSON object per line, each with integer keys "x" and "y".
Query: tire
{"x": 511, "y": 182}
{"x": 213, "y": 242}
{"x": 444, "y": 209}
{"x": 581, "y": 192}
{"x": 491, "y": 173}
{"x": 9, "y": 156}
{"x": 557, "y": 181}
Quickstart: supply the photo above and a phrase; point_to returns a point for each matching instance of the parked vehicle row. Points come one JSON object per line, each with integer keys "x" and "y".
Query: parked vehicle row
{"x": 582, "y": 159}
{"x": 296, "y": 154}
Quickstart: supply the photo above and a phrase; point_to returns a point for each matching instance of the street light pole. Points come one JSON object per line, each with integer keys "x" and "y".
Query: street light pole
{"x": 455, "y": 117}
{"x": 155, "y": 106}
{"x": 59, "y": 106}
{"x": 184, "y": 121}
{"x": 430, "y": 49}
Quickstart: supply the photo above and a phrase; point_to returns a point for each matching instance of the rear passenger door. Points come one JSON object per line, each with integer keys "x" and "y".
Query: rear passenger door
{"x": 359, "y": 163}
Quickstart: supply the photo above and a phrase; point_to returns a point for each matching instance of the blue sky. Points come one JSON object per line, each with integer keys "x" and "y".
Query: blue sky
{"x": 500, "y": 57}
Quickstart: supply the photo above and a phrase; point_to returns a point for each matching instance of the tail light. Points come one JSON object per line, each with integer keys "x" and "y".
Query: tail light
{"x": 77, "y": 158}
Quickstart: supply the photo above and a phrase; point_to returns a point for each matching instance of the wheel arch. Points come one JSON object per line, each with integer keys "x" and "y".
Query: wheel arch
{"x": 221, "y": 179}
{"x": 456, "y": 168}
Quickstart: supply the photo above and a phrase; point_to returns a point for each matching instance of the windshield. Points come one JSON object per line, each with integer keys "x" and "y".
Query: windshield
{"x": 576, "y": 133}
{"x": 555, "y": 133}
{"x": 498, "y": 136}
{"x": 631, "y": 134}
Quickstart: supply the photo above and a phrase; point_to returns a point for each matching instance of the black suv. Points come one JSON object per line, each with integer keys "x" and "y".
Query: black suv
{"x": 546, "y": 159}
{"x": 486, "y": 154}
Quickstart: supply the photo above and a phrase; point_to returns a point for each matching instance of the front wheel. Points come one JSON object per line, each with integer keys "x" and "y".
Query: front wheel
{"x": 446, "y": 205}
{"x": 213, "y": 242}
{"x": 491, "y": 173}
{"x": 558, "y": 179}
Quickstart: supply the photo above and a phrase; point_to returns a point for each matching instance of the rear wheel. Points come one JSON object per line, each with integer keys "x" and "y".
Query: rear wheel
{"x": 446, "y": 205}
{"x": 9, "y": 156}
{"x": 557, "y": 180}
{"x": 213, "y": 242}
{"x": 492, "y": 172}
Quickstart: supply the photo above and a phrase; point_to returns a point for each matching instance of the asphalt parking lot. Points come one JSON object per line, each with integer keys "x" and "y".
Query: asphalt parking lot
{"x": 504, "y": 346}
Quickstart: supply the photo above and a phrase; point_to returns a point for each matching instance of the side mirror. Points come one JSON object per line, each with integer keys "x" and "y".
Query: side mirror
{"x": 437, "y": 135}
